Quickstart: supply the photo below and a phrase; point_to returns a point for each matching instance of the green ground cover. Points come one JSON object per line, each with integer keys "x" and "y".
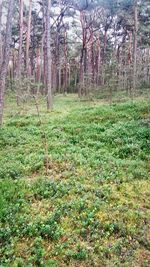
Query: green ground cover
{"x": 92, "y": 209}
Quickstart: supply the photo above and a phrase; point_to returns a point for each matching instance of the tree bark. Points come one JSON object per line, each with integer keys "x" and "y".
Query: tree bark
{"x": 38, "y": 70}
{"x": 19, "y": 61}
{"x": 48, "y": 56}
{"x": 66, "y": 62}
{"x": 135, "y": 47}
{"x": 0, "y": 32}
{"x": 28, "y": 39}
{"x": 59, "y": 80}
{"x": 98, "y": 61}
{"x": 83, "y": 54}
{"x": 6, "y": 54}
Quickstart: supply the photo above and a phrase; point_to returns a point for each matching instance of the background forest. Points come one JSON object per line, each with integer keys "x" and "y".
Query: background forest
{"x": 84, "y": 47}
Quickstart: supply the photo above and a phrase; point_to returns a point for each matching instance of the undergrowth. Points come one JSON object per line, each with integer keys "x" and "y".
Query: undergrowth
{"x": 92, "y": 208}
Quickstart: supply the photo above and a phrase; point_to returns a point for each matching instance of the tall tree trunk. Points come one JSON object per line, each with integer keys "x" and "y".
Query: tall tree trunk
{"x": 19, "y": 62}
{"x": 59, "y": 80}
{"x": 38, "y": 70}
{"x": 28, "y": 39}
{"x": 83, "y": 57}
{"x": 104, "y": 57}
{"x": 81, "y": 85}
{"x": 54, "y": 76}
{"x": 129, "y": 65}
{"x": 147, "y": 65}
{"x": 42, "y": 58}
{"x": 6, "y": 53}
{"x": 91, "y": 58}
{"x": 38, "y": 61}
{"x": 98, "y": 61}
{"x": 135, "y": 47}
{"x": 45, "y": 67}
{"x": 57, "y": 55}
{"x": 0, "y": 32}
{"x": 66, "y": 62}
{"x": 85, "y": 70}
{"x": 48, "y": 56}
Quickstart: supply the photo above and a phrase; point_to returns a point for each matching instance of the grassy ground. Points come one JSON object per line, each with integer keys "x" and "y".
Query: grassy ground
{"x": 92, "y": 209}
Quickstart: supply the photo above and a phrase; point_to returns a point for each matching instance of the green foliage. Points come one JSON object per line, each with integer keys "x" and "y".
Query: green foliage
{"x": 92, "y": 208}
{"x": 79, "y": 254}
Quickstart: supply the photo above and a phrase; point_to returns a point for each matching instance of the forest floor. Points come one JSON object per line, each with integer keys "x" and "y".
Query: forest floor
{"x": 92, "y": 207}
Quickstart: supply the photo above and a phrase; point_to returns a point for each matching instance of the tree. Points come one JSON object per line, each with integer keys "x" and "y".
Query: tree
{"x": 19, "y": 61}
{"x": 135, "y": 46}
{"x": 6, "y": 54}
{"x": 48, "y": 55}
{"x": 0, "y": 32}
{"x": 86, "y": 46}
{"x": 28, "y": 38}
